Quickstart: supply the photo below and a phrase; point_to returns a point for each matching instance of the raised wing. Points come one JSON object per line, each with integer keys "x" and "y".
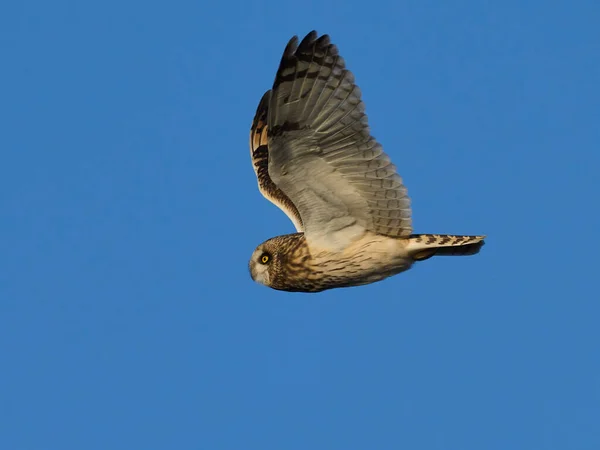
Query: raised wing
{"x": 259, "y": 152}
{"x": 321, "y": 154}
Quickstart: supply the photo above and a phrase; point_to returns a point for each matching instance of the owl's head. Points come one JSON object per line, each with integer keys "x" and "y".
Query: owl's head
{"x": 270, "y": 261}
{"x": 265, "y": 263}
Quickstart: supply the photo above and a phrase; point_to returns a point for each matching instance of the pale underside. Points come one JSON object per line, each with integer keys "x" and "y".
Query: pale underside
{"x": 315, "y": 158}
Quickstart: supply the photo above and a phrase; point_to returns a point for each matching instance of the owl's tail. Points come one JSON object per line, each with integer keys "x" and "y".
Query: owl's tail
{"x": 424, "y": 246}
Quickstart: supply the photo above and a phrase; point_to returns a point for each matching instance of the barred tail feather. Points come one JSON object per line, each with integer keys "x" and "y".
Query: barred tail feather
{"x": 424, "y": 246}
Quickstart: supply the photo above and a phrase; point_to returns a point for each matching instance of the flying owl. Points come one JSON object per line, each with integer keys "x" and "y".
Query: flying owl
{"x": 315, "y": 159}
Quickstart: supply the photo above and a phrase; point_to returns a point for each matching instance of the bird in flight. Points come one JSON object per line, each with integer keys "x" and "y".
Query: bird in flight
{"x": 314, "y": 158}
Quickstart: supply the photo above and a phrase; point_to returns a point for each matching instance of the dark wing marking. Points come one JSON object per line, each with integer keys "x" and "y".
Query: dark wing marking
{"x": 259, "y": 152}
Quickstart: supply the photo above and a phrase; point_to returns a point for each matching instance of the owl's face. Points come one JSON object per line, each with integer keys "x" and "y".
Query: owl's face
{"x": 276, "y": 262}
{"x": 264, "y": 264}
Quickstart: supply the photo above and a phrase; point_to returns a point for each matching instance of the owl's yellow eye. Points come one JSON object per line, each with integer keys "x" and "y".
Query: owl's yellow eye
{"x": 265, "y": 258}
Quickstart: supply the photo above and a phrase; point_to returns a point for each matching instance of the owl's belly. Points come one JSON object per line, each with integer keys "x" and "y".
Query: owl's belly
{"x": 366, "y": 261}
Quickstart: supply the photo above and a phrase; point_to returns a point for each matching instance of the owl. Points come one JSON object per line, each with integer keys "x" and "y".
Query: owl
{"x": 314, "y": 158}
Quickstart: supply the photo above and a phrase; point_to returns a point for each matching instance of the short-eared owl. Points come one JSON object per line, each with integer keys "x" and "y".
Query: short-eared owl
{"x": 315, "y": 158}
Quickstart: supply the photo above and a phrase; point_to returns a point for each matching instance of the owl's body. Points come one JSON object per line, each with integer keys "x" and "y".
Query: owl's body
{"x": 293, "y": 267}
{"x": 369, "y": 259}
{"x": 315, "y": 158}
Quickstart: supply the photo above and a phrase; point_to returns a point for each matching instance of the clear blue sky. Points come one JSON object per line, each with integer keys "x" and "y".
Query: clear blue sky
{"x": 129, "y": 211}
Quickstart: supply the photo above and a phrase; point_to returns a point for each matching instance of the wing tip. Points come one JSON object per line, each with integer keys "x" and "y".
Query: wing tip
{"x": 291, "y": 46}
{"x": 311, "y": 39}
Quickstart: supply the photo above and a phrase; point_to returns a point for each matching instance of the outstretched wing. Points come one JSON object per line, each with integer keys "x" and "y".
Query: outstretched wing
{"x": 259, "y": 152}
{"x": 321, "y": 154}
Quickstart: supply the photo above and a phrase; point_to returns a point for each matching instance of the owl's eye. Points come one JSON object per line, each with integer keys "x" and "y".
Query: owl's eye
{"x": 265, "y": 258}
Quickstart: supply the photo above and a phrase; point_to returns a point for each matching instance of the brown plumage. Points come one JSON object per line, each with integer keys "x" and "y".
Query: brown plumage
{"x": 259, "y": 152}
{"x": 314, "y": 158}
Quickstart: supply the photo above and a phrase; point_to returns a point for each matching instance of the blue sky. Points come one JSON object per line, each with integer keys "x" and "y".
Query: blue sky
{"x": 130, "y": 209}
